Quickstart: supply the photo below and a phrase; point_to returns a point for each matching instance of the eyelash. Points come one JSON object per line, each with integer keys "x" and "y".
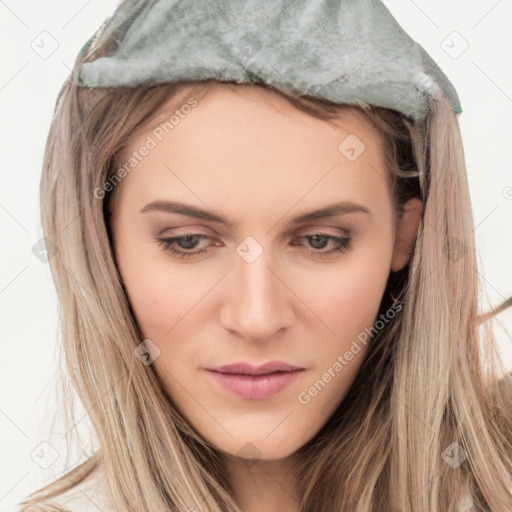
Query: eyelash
{"x": 343, "y": 245}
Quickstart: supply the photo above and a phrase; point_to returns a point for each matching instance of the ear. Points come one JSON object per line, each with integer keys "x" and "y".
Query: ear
{"x": 405, "y": 234}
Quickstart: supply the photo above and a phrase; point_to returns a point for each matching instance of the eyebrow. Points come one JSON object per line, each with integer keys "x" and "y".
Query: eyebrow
{"x": 192, "y": 211}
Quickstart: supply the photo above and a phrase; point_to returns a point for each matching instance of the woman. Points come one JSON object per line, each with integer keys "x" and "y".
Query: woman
{"x": 269, "y": 298}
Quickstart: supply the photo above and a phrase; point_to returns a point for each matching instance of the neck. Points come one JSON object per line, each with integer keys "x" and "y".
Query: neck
{"x": 263, "y": 485}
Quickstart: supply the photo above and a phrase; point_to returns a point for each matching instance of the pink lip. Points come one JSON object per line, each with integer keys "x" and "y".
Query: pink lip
{"x": 249, "y": 369}
{"x": 255, "y": 382}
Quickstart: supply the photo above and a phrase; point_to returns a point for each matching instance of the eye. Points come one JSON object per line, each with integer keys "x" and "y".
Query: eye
{"x": 183, "y": 246}
{"x": 187, "y": 242}
{"x": 339, "y": 244}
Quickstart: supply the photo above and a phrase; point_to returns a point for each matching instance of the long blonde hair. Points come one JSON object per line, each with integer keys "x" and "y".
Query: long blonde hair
{"x": 425, "y": 384}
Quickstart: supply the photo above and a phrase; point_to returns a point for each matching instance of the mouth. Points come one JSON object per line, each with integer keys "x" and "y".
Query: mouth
{"x": 255, "y": 382}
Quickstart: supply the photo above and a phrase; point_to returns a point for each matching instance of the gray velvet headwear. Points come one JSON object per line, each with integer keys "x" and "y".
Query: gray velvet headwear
{"x": 346, "y": 51}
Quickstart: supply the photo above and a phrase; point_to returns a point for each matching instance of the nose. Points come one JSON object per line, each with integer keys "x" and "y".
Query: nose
{"x": 258, "y": 302}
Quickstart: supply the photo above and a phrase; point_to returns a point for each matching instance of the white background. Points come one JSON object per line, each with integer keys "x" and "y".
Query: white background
{"x": 29, "y": 84}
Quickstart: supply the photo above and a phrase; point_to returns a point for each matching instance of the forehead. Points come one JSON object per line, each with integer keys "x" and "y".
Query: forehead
{"x": 240, "y": 99}
{"x": 251, "y": 141}
{"x": 251, "y": 113}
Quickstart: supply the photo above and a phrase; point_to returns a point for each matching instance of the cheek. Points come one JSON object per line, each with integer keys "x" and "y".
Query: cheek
{"x": 347, "y": 302}
{"x": 161, "y": 296}
{"x": 347, "y": 296}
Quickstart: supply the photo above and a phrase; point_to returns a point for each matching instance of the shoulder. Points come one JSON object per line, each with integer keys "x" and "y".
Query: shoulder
{"x": 90, "y": 495}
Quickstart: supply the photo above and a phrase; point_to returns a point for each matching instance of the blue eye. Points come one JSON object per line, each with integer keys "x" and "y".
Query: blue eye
{"x": 188, "y": 241}
{"x": 317, "y": 241}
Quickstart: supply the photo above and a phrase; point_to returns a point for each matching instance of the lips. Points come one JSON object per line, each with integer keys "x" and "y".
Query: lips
{"x": 249, "y": 369}
{"x": 252, "y": 382}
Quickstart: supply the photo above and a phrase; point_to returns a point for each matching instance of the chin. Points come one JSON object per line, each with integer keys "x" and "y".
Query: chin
{"x": 254, "y": 448}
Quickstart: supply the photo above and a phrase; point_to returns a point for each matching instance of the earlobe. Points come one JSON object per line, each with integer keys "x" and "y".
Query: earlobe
{"x": 406, "y": 232}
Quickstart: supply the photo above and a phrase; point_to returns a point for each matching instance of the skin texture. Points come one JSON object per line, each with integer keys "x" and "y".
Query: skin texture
{"x": 252, "y": 157}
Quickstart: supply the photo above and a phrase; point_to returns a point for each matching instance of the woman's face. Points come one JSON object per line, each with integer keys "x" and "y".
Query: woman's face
{"x": 284, "y": 232}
